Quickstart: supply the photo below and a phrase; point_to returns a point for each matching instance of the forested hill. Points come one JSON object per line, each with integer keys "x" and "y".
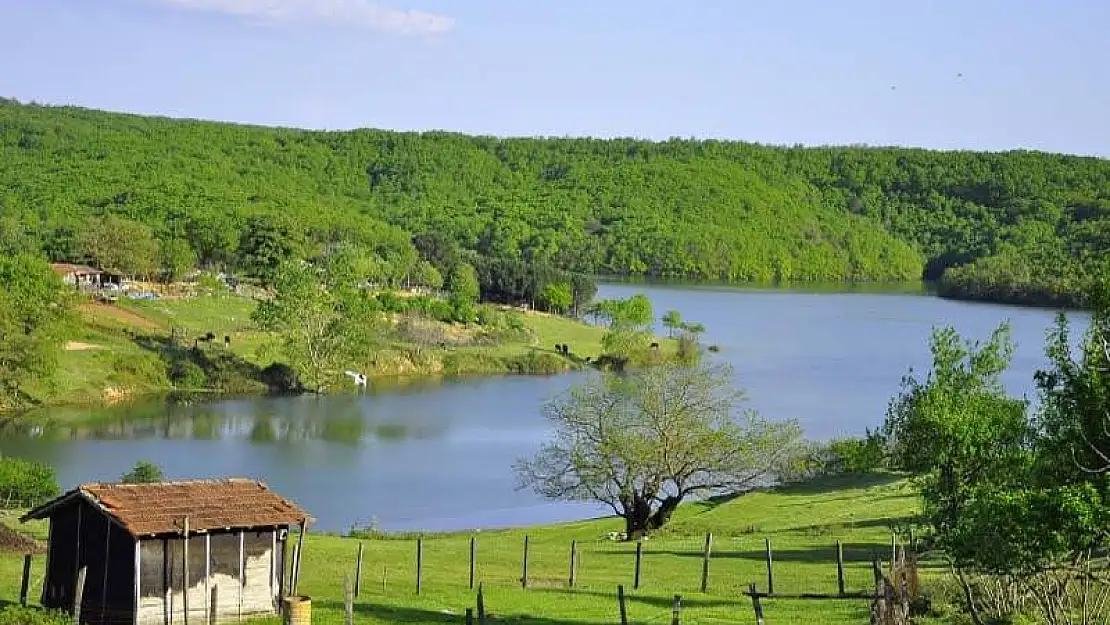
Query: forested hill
{"x": 1017, "y": 226}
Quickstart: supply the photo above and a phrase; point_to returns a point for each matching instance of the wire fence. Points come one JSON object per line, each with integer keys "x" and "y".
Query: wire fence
{"x": 709, "y": 565}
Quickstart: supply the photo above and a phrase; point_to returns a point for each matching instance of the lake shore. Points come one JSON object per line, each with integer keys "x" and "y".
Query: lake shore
{"x": 128, "y": 351}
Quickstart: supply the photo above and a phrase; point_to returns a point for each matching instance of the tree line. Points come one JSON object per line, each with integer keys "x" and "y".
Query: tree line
{"x": 1016, "y": 226}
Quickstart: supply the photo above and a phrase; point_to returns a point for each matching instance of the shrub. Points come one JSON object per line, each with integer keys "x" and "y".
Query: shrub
{"x": 281, "y": 378}
{"x": 26, "y": 481}
{"x": 143, "y": 473}
{"x": 17, "y": 615}
{"x": 187, "y": 374}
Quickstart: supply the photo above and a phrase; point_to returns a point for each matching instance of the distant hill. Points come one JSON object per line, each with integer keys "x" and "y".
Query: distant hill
{"x": 1016, "y": 226}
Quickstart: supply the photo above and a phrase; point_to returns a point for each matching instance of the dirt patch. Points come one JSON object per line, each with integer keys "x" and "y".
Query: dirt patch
{"x": 12, "y": 541}
{"x": 77, "y": 346}
{"x": 119, "y": 314}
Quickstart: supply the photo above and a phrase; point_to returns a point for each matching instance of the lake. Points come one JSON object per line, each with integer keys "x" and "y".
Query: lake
{"x": 436, "y": 455}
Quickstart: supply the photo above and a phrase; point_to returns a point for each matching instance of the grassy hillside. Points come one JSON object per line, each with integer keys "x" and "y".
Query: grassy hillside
{"x": 1020, "y": 226}
{"x": 803, "y": 524}
{"x": 119, "y": 351}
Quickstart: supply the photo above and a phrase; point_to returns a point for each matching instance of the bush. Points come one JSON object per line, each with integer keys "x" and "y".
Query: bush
{"x": 857, "y": 455}
{"x": 187, "y": 374}
{"x": 16, "y": 615}
{"x": 143, "y": 473}
{"x": 25, "y": 481}
{"x": 281, "y": 378}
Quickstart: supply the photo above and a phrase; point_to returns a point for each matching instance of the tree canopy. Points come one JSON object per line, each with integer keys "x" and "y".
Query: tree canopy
{"x": 1015, "y": 226}
{"x": 644, "y": 442}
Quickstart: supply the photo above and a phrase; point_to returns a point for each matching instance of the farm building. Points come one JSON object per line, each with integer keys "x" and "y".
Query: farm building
{"x": 138, "y": 543}
{"x": 83, "y": 276}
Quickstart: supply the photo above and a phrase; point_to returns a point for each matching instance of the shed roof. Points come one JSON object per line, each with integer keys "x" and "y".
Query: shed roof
{"x": 81, "y": 270}
{"x": 161, "y": 508}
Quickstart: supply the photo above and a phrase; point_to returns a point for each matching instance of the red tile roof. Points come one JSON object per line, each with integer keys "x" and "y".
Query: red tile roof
{"x": 161, "y": 508}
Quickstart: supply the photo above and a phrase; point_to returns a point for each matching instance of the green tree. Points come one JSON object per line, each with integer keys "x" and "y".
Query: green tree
{"x": 462, "y": 284}
{"x": 144, "y": 472}
{"x": 314, "y": 334}
{"x": 957, "y": 430}
{"x": 267, "y": 244}
{"x": 34, "y": 308}
{"x": 557, "y": 297}
{"x": 645, "y": 442}
{"x": 177, "y": 259}
{"x": 672, "y": 320}
{"x": 119, "y": 244}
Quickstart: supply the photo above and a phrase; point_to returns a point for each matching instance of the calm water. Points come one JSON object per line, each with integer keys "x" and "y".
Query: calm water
{"x": 437, "y": 455}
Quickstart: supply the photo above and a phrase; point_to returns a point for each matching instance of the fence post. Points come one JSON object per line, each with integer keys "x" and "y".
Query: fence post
{"x": 893, "y": 552}
{"x": 419, "y": 562}
{"x": 770, "y": 567}
{"x": 573, "y": 561}
{"x": 624, "y": 608}
{"x": 79, "y": 598}
{"x": 348, "y": 600}
{"x": 840, "y": 568}
{"x": 639, "y": 556}
{"x": 757, "y": 607}
{"x": 473, "y": 556}
{"x": 214, "y": 604}
{"x": 524, "y": 565}
{"x": 26, "y": 583}
{"x": 358, "y": 571}
{"x": 676, "y": 610}
{"x": 705, "y": 562}
{"x": 481, "y": 606}
{"x": 470, "y": 616}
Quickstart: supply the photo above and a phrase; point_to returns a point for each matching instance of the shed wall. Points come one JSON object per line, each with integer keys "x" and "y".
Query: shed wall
{"x": 162, "y": 587}
{"x": 81, "y": 536}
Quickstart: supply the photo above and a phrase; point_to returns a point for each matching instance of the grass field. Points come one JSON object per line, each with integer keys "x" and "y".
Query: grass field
{"x": 110, "y": 356}
{"x": 802, "y": 523}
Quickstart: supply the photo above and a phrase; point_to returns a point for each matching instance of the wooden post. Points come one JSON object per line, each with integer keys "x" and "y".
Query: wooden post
{"x": 623, "y": 606}
{"x": 77, "y": 547}
{"x": 840, "y": 568}
{"x": 293, "y": 569}
{"x": 185, "y": 563}
{"x": 893, "y": 552}
{"x": 639, "y": 556}
{"x": 470, "y": 616}
{"x": 481, "y": 605}
{"x": 877, "y": 571}
{"x": 26, "y": 583}
{"x": 348, "y": 600}
{"x": 419, "y": 562}
{"x": 676, "y": 610}
{"x": 756, "y": 605}
{"x": 300, "y": 557}
{"x": 770, "y": 567}
{"x": 705, "y": 562}
{"x": 573, "y": 561}
{"x": 208, "y": 574}
{"x": 214, "y": 604}
{"x": 104, "y": 579}
{"x": 473, "y": 559}
{"x": 358, "y": 571}
{"x": 524, "y": 567}
{"x": 243, "y": 571}
{"x": 79, "y": 597}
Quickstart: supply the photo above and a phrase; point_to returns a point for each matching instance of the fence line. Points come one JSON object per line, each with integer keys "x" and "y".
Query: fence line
{"x": 807, "y": 568}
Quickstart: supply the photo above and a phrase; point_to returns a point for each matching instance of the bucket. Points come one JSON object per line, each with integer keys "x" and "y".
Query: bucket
{"x": 298, "y": 611}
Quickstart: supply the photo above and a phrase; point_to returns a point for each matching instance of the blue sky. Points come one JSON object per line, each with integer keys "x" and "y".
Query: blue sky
{"x": 1035, "y": 74}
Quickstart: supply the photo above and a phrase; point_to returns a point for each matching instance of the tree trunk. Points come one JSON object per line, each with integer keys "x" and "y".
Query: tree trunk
{"x": 637, "y": 518}
{"x": 663, "y": 514}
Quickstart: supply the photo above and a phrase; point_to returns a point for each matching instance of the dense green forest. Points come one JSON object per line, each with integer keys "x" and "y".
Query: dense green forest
{"x": 1017, "y": 226}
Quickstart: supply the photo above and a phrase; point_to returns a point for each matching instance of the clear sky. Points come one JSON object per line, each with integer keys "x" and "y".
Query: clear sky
{"x": 1035, "y": 73}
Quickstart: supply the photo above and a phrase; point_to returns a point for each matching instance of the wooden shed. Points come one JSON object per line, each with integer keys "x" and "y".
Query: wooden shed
{"x": 138, "y": 543}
